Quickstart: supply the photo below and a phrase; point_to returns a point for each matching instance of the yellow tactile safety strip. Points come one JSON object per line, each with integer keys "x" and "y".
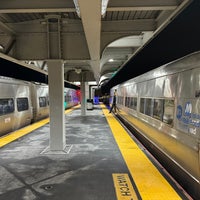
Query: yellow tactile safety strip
{"x": 149, "y": 181}
{"x": 23, "y": 131}
{"x": 123, "y": 187}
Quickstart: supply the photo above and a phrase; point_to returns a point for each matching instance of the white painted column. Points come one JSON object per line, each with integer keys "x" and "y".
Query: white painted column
{"x": 56, "y": 98}
{"x": 83, "y": 100}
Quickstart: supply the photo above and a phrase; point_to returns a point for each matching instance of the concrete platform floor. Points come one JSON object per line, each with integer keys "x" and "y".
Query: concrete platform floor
{"x": 84, "y": 172}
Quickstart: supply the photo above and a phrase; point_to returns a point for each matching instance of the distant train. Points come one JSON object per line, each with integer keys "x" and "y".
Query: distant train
{"x": 22, "y": 103}
{"x": 163, "y": 106}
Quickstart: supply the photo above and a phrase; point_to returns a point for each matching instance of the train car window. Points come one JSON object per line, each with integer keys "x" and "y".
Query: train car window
{"x": 148, "y": 107}
{"x": 126, "y": 101}
{"x": 142, "y": 104}
{"x": 158, "y": 107}
{"x": 48, "y": 100}
{"x": 43, "y": 101}
{"x": 68, "y": 98}
{"x": 168, "y": 111}
{"x": 134, "y": 105}
{"x": 131, "y": 102}
{"x": 119, "y": 100}
{"x": 22, "y": 104}
{"x": 6, "y": 106}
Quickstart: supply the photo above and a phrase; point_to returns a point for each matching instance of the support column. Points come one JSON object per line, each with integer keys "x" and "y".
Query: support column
{"x": 56, "y": 96}
{"x": 83, "y": 100}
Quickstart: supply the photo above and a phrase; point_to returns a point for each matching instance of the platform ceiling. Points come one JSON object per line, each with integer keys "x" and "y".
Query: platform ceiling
{"x": 179, "y": 38}
{"x": 129, "y": 38}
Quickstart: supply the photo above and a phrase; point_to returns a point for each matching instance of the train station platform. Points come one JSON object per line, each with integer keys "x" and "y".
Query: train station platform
{"x": 102, "y": 161}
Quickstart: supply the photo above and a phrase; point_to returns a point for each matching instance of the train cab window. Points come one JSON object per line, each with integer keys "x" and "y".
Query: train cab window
{"x": 6, "y": 106}
{"x": 158, "y": 107}
{"x": 22, "y": 104}
{"x": 43, "y": 101}
{"x": 168, "y": 111}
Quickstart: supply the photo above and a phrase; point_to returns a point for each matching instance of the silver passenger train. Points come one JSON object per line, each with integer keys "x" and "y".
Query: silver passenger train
{"x": 22, "y": 103}
{"x": 163, "y": 106}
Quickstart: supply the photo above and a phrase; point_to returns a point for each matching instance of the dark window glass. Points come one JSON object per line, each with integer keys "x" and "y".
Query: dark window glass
{"x": 120, "y": 100}
{"x": 158, "y": 109}
{"x": 43, "y": 101}
{"x": 22, "y": 104}
{"x": 168, "y": 111}
{"x": 127, "y": 101}
{"x": 68, "y": 98}
{"x": 133, "y": 103}
{"x": 142, "y": 103}
{"x": 6, "y": 106}
{"x": 48, "y": 100}
{"x": 148, "y": 107}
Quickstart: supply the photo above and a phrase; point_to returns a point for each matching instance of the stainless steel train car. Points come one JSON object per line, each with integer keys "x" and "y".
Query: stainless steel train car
{"x": 22, "y": 103}
{"x": 163, "y": 107}
{"x": 15, "y": 105}
{"x": 40, "y": 101}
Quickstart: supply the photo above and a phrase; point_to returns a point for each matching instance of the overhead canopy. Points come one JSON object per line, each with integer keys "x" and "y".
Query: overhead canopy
{"x": 179, "y": 38}
{"x": 92, "y": 37}
{"x": 19, "y": 70}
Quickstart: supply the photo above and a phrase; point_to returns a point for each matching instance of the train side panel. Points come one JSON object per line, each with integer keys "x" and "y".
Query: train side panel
{"x": 71, "y": 98}
{"x": 15, "y": 105}
{"x": 40, "y": 100}
{"x": 164, "y": 106}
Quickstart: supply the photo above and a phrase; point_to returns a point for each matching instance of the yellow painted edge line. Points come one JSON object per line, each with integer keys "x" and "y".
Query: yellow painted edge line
{"x": 149, "y": 181}
{"x": 123, "y": 187}
{"x": 21, "y": 132}
{"x": 4, "y": 140}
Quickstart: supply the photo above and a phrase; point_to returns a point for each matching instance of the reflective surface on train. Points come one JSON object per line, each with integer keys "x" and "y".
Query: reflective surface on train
{"x": 22, "y": 103}
{"x": 164, "y": 106}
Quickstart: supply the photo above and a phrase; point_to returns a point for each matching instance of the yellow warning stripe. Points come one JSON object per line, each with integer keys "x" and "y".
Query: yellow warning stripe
{"x": 149, "y": 181}
{"x": 23, "y": 131}
{"x": 123, "y": 187}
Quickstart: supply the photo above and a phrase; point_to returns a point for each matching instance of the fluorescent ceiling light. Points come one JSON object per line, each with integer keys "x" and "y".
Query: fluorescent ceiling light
{"x": 110, "y": 60}
{"x": 1, "y": 47}
{"x": 104, "y": 4}
{"x": 77, "y": 7}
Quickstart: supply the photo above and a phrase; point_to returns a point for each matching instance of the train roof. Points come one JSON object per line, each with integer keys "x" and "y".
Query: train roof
{"x": 182, "y": 64}
{"x": 9, "y": 80}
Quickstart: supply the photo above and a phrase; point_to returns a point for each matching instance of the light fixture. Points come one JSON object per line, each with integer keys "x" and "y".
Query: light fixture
{"x": 110, "y": 60}
{"x": 78, "y": 70}
{"x": 1, "y": 47}
{"x": 77, "y": 7}
{"x": 104, "y": 4}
